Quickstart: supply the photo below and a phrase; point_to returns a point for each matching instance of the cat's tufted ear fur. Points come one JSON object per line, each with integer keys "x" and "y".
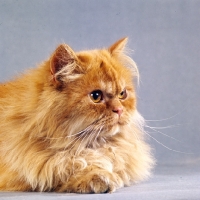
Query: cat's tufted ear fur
{"x": 119, "y": 51}
{"x": 63, "y": 64}
{"x": 118, "y": 46}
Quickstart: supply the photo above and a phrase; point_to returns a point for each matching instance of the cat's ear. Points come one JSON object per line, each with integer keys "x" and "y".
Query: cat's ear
{"x": 118, "y": 46}
{"x": 119, "y": 51}
{"x": 62, "y": 63}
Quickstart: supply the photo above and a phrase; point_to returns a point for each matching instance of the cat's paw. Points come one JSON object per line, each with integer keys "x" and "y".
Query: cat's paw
{"x": 97, "y": 184}
{"x": 92, "y": 184}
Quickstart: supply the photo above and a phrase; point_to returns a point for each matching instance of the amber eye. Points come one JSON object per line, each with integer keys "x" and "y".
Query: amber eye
{"x": 96, "y": 96}
{"x": 122, "y": 95}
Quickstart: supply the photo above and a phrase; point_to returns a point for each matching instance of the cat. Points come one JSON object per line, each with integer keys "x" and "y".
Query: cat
{"x": 71, "y": 124}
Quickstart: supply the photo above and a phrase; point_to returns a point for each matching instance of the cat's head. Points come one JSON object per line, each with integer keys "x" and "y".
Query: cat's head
{"x": 96, "y": 89}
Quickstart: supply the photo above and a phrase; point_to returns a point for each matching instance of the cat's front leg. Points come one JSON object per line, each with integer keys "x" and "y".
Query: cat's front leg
{"x": 92, "y": 181}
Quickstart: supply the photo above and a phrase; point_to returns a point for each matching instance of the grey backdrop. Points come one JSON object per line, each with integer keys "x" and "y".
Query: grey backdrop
{"x": 165, "y": 37}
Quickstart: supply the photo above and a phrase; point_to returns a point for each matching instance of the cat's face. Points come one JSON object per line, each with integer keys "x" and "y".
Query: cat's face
{"x": 101, "y": 96}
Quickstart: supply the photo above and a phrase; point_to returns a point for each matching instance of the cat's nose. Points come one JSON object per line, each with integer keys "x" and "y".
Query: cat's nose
{"x": 118, "y": 110}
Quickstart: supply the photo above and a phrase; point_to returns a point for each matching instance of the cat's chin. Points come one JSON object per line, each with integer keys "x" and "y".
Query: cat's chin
{"x": 121, "y": 123}
{"x": 113, "y": 130}
{"x": 116, "y": 127}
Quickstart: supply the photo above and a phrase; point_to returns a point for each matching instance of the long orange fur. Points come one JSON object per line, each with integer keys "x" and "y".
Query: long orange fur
{"x": 54, "y": 137}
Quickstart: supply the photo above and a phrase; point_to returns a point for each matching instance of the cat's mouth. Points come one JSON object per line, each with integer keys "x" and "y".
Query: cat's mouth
{"x": 117, "y": 121}
{"x": 113, "y": 121}
{"x": 113, "y": 126}
{"x": 120, "y": 121}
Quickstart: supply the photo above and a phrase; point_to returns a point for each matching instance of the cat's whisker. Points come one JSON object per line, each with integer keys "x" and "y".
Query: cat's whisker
{"x": 104, "y": 139}
{"x": 73, "y": 142}
{"x": 56, "y": 138}
{"x": 165, "y": 119}
{"x": 167, "y": 146}
{"x": 152, "y": 128}
{"x": 93, "y": 133}
{"x": 139, "y": 126}
{"x": 80, "y": 132}
{"x": 163, "y": 127}
{"x": 89, "y": 126}
{"x": 53, "y": 138}
{"x": 85, "y": 135}
{"x": 97, "y": 135}
{"x": 135, "y": 135}
{"x": 81, "y": 137}
{"x": 90, "y": 139}
{"x": 137, "y": 120}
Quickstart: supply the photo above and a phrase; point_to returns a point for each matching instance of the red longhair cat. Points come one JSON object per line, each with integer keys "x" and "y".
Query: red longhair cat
{"x": 71, "y": 124}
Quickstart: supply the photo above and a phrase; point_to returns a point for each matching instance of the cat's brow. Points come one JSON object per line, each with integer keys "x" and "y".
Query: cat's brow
{"x": 109, "y": 95}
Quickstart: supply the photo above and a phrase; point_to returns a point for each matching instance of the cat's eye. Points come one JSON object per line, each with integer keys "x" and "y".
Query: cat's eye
{"x": 96, "y": 96}
{"x": 123, "y": 94}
